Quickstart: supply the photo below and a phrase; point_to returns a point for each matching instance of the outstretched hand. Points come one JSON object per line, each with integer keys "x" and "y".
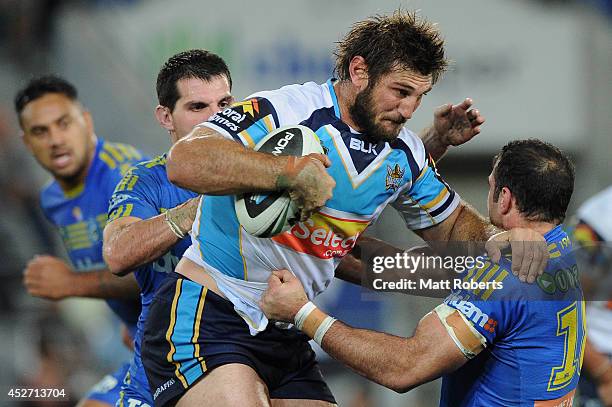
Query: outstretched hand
{"x": 457, "y": 124}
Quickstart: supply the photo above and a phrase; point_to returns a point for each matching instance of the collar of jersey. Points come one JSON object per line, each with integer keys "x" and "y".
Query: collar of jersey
{"x": 334, "y": 98}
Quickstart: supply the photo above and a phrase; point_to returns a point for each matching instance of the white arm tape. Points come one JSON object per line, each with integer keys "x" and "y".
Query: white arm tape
{"x": 444, "y": 311}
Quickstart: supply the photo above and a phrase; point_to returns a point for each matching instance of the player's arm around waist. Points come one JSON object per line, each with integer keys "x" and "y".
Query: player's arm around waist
{"x": 397, "y": 363}
{"x": 208, "y": 163}
{"x": 130, "y": 242}
{"x": 392, "y": 361}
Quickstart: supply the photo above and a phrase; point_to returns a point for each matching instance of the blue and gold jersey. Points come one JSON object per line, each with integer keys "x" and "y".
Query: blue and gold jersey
{"x": 80, "y": 214}
{"x": 368, "y": 177}
{"x": 534, "y": 334}
{"x": 145, "y": 192}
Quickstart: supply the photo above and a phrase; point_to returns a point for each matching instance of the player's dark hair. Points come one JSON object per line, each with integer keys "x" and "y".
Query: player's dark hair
{"x": 387, "y": 42}
{"x": 540, "y": 177}
{"x": 195, "y": 63}
{"x": 38, "y": 87}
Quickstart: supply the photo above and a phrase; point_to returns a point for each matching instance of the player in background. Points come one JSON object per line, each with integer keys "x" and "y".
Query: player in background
{"x": 149, "y": 218}
{"x": 59, "y": 132}
{"x": 593, "y": 235}
{"x": 515, "y": 346}
{"x": 207, "y": 322}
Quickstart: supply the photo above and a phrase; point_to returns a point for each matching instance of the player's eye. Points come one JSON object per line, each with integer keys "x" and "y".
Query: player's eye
{"x": 38, "y": 131}
{"x": 64, "y": 123}
{"x": 196, "y": 107}
{"x": 402, "y": 93}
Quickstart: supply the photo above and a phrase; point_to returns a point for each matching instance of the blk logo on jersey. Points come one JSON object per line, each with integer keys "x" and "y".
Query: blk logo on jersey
{"x": 360, "y": 145}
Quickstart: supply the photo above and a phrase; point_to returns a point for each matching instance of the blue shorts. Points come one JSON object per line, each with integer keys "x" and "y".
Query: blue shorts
{"x": 135, "y": 389}
{"x": 107, "y": 390}
{"x": 205, "y": 332}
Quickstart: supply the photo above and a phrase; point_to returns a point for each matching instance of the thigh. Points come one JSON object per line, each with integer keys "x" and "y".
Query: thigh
{"x": 227, "y": 385}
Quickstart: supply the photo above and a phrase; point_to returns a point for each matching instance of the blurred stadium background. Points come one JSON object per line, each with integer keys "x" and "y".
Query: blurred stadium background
{"x": 534, "y": 68}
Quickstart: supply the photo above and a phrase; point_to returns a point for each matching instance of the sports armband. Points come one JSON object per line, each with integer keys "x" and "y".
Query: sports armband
{"x": 466, "y": 337}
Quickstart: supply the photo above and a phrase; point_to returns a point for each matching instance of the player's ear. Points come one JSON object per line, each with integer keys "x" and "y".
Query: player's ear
{"x": 26, "y": 140}
{"x": 506, "y": 201}
{"x": 358, "y": 69}
{"x": 164, "y": 117}
{"x": 88, "y": 121}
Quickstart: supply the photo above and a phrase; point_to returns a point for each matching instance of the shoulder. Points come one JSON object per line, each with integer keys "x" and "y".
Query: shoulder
{"x": 144, "y": 175}
{"x": 297, "y": 101}
{"x": 50, "y": 195}
{"x": 411, "y": 144}
{"x": 118, "y": 157}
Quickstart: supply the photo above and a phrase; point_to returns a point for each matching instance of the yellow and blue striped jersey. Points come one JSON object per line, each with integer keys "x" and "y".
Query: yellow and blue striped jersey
{"x": 535, "y": 334}
{"x": 80, "y": 214}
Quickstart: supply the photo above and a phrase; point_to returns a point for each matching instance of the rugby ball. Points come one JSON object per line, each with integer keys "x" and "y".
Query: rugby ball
{"x": 268, "y": 214}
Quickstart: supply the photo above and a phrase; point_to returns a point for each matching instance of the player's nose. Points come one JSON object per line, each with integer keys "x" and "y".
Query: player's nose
{"x": 56, "y": 137}
{"x": 407, "y": 107}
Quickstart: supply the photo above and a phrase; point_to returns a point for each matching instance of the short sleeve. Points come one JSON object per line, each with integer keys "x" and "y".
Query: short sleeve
{"x": 135, "y": 195}
{"x": 246, "y": 122}
{"x": 492, "y": 312}
{"x": 429, "y": 201}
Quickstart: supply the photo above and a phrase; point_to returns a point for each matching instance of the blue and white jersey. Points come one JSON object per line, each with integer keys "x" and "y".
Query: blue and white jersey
{"x": 534, "y": 334}
{"x": 368, "y": 178}
{"x": 145, "y": 192}
{"x": 80, "y": 214}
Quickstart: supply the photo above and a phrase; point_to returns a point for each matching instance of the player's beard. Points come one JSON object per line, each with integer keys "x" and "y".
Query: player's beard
{"x": 362, "y": 114}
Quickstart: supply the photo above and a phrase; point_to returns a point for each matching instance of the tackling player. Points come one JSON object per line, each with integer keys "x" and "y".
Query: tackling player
{"x": 59, "y": 132}
{"x": 205, "y": 330}
{"x": 521, "y": 345}
{"x": 149, "y": 218}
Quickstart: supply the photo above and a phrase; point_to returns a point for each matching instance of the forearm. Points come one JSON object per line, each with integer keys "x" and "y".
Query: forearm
{"x": 434, "y": 147}
{"x": 209, "y": 164}
{"x": 138, "y": 243}
{"x": 368, "y": 353}
{"x": 471, "y": 226}
{"x": 103, "y": 284}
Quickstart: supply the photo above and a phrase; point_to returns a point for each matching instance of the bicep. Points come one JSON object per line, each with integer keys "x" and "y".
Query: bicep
{"x": 438, "y": 351}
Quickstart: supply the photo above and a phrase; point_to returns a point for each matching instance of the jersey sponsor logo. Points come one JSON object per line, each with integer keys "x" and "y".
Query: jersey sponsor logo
{"x": 223, "y": 122}
{"x": 472, "y": 312}
{"x": 282, "y": 143}
{"x": 323, "y": 236}
{"x": 360, "y": 145}
{"x": 394, "y": 177}
{"x": 250, "y": 107}
{"x": 163, "y": 388}
{"x": 563, "y": 279}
